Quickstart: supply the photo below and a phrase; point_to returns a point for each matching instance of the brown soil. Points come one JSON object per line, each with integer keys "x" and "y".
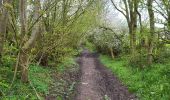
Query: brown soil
{"x": 97, "y": 82}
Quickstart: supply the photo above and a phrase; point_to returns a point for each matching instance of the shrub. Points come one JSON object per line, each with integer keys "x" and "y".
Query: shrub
{"x": 162, "y": 56}
{"x": 138, "y": 60}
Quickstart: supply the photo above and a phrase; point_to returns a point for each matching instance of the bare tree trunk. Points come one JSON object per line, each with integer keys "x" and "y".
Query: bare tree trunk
{"x": 23, "y": 59}
{"x": 23, "y": 63}
{"x": 132, "y": 33}
{"x": 151, "y": 37}
{"x": 133, "y": 7}
{"x": 23, "y": 19}
{"x": 167, "y": 6}
{"x": 112, "y": 54}
{"x": 0, "y": 3}
{"x": 3, "y": 25}
{"x": 131, "y": 40}
{"x": 169, "y": 21}
{"x": 26, "y": 48}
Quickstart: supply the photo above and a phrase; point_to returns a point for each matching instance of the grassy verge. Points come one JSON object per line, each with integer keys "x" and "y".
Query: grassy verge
{"x": 39, "y": 78}
{"x": 149, "y": 84}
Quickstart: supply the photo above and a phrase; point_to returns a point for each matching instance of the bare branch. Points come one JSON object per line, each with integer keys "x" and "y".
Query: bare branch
{"x": 118, "y": 8}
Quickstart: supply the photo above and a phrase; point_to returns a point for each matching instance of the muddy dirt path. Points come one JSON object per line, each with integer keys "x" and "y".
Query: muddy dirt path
{"x": 98, "y": 83}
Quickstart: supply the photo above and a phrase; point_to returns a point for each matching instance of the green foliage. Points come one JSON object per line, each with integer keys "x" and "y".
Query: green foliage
{"x": 65, "y": 79}
{"x": 106, "y": 97}
{"x": 65, "y": 29}
{"x": 38, "y": 76}
{"x": 6, "y": 74}
{"x": 8, "y": 61}
{"x": 9, "y": 55}
{"x": 66, "y": 64}
{"x": 138, "y": 60}
{"x": 90, "y": 46}
{"x": 152, "y": 83}
{"x": 62, "y": 53}
{"x": 8, "y": 6}
{"x": 162, "y": 55}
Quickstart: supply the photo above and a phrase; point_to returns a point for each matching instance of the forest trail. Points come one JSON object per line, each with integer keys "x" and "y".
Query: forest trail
{"x": 97, "y": 82}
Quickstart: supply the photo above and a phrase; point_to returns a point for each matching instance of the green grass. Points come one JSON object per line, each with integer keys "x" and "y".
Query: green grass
{"x": 66, "y": 64}
{"x": 38, "y": 76}
{"x": 149, "y": 84}
{"x": 91, "y": 47}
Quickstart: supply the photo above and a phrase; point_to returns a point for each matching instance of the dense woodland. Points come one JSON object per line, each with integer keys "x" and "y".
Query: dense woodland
{"x": 40, "y": 40}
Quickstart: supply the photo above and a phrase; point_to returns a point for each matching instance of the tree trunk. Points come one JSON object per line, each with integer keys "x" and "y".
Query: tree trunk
{"x": 23, "y": 19}
{"x": 132, "y": 23}
{"x": 151, "y": 37}
{"x": 168, "y": 15}
{"x": 24, "y": 61}
{"x": 0, "y": 4}
{"x": 169, "y": 21}
{"x": 112, "y": 54}
{"x": 130, "y": 13}
{"x": 3, "y": 25}
{"x": 132, "y": 34}
{"x": 27, "y": 46}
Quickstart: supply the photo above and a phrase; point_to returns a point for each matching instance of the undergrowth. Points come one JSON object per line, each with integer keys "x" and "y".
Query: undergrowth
{"x": 39, "y": 80}
{"x": 66, "y": 64}
{"x": 65, "y": 79}
{"x": 90, "y": 46}
{"x": 150, "y": 83}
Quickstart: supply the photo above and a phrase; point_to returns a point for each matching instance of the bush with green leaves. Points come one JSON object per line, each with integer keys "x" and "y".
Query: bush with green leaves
{"x": 162, "y": 55}
{"x": 138, "y": 59}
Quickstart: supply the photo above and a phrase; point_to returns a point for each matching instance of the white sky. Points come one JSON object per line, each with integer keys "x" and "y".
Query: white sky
{"x": 116, "y": 19}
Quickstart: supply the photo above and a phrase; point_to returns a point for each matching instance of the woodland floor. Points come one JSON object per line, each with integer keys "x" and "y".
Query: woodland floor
{"x": 97, "y": 82}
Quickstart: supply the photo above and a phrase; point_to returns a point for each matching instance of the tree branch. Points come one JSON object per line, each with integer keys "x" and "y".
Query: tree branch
{"x": 118, "y": 8}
